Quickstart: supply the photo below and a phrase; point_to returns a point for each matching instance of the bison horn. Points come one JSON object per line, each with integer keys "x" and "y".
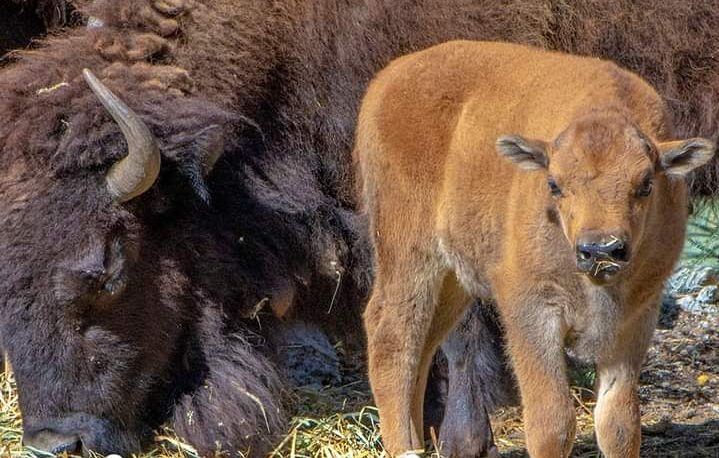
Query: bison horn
{"x": 135, "y": 173}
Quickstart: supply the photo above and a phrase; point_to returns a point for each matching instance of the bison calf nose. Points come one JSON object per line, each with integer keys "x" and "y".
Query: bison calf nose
{"x": 54, "y": 442}
{"x": 598, "y": 252}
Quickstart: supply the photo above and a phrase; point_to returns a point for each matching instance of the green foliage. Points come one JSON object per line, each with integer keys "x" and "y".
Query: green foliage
{"x": 582, "y": 375}
{"x": 702, "y": 244}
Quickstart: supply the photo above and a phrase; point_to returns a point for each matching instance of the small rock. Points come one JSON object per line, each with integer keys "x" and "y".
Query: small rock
{"x": 662, "y": 373}
{"x": 708, "y": 294}
{"x": 691, "y": 304}
{"x": 669, "y": 312}
{"x": 687, "y": 280}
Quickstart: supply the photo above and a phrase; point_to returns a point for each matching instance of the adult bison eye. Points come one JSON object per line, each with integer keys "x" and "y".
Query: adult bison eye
{"x": 554, "y": 187}
{"x": 646, "y": 188}
{"x": 103, "y": 282}
{"x": 113, "y": 286}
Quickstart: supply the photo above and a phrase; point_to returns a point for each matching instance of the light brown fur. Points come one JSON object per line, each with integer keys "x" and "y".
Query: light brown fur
{"x": 453, "y": 220}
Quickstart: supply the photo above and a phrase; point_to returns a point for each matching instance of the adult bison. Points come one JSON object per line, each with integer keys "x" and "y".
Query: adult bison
{"x": 23, "y": 20}
{"x": 573, "y": 241}
{"x": 136, "y": 257}
{"x": 119, "y": 312}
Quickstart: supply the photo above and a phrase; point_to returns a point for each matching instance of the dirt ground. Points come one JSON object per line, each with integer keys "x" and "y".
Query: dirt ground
{"x": 679, "y": 391}
{"x": 679, "y": 394}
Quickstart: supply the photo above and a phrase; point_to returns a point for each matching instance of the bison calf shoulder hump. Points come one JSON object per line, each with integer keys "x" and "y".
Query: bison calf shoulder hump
{"x": 544, "y": 182}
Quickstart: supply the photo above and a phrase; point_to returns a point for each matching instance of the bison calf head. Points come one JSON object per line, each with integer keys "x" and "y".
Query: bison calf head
{"x": 606, "y": 178}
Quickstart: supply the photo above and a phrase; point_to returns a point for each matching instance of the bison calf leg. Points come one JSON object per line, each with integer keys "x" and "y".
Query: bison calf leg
{"x": 453, "y": 302}
{"x": 617, "y": 419}
{"x": 535, "y": 343}
{"x": 397, "y": 320}
{"x": 616, "y": 415}
{"x": 405, "y": 322}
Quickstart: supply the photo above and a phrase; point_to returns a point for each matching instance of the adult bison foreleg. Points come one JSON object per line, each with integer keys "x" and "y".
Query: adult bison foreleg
{"x": 535, "y": 338}
{"x": 479, "y": 381}
{"x": 617, "y": 417}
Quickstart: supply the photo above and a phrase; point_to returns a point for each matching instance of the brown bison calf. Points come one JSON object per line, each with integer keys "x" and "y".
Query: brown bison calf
{"x": 572, "y": 232}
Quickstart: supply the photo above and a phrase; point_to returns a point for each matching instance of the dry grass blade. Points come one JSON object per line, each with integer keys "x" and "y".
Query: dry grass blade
{"x": 353, "y": 434}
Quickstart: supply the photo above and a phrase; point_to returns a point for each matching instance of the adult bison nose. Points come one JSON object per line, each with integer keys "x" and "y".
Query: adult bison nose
{"x": 53, "y": 442}
{"x": 601, "y": 253}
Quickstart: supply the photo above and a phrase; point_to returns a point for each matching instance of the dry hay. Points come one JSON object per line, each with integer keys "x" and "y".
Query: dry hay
{"x": 680, "y": 409}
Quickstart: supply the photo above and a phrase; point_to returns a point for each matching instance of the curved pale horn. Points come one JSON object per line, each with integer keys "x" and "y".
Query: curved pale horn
{"x": 135, "y": 173}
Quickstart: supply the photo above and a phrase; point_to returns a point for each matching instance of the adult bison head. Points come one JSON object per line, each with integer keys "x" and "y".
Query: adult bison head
{"x": 106, "y": 333}
{"x": 607, "y": 179}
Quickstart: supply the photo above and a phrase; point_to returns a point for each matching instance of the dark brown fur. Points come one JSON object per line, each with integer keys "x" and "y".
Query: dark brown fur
{"x": 24, "y": 20}
{"x": 276, "y": 217}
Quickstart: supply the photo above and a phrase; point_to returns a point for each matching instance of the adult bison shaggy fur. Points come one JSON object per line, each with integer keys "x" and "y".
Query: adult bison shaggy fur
{"x": 119, "y": 312}
{"x": 23, "y": 20}
{"x": 119, "y": 315}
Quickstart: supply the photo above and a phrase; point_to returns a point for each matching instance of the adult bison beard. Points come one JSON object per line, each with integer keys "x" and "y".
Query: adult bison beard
{"x": 237, "y": 405}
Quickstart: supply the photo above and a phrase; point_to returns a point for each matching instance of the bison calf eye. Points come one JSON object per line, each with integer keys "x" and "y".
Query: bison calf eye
{"x": 646, "y": 188}
{"x": 554, "y": 187}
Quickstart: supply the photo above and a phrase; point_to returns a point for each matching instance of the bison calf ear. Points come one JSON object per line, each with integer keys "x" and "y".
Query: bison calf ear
{"x": 527, "y": 154}
{"x": 682, "y": 156}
